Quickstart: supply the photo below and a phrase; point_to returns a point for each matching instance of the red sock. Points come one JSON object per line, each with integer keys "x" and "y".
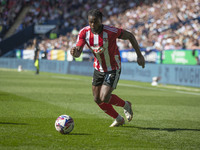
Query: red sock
{"x": 115, "y": 100}
{"x": 107, "y": 108}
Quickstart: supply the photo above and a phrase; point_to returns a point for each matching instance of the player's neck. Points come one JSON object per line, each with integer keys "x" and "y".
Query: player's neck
{"x": 99, "y": 30}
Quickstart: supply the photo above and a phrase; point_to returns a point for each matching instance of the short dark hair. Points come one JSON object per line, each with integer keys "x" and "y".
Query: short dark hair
{"x": 96, "y": 13}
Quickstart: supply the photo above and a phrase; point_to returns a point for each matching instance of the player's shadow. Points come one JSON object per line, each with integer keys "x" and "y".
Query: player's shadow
{"x": 13, "y": 123}
{"x": 162, "y": 129}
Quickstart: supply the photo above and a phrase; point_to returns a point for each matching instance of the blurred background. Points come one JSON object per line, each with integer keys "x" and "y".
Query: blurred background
{"x": 168, "y": 32}
{"x": 161, "y": 27}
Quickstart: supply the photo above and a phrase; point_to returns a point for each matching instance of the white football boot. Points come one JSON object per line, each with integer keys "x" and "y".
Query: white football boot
{"x": 128, "y": 111}
{"x": 118, "y": 122}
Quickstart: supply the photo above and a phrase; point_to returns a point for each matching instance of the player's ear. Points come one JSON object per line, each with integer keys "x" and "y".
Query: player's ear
{"x": 100, "y": 19}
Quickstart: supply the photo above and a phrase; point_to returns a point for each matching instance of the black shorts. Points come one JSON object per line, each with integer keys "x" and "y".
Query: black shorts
{"x": 110, "y": 78}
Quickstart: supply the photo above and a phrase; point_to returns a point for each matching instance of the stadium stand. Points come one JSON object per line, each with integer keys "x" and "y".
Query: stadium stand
{"x": 160, "y": 25}
{"x": 70, "y": 14}
{"x": 9, "y": 12}
{"x": 157, "y": 24}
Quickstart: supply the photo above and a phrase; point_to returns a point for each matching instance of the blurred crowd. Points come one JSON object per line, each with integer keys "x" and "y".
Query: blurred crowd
{"x": 69, "y": 14}
{"x": 157, "y": 24}
{"x": 162, "y": 25}
{"x": 8, "y": 13}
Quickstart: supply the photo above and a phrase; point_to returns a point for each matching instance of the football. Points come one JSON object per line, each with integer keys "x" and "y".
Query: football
{"x": 64, "y": 124}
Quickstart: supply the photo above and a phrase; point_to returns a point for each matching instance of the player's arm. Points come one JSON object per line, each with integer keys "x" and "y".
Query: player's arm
{"x": 126, "y": 35}
{"x": 76, "y": 51}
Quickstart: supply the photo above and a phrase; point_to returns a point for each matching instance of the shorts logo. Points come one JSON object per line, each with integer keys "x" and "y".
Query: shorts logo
{"x": 105, "y": 39}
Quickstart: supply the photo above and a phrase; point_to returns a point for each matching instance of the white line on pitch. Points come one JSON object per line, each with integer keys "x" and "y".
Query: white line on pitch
{"x": 188, "y": 93}
{"x": 138, "y": 86}
{"x": 142, "y": 87}
{"x": 68, "y": 78}
{"x": 130, "y": 85}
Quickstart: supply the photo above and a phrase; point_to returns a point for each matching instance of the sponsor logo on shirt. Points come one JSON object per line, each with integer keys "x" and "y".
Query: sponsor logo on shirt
{"x": 97, "y": 49}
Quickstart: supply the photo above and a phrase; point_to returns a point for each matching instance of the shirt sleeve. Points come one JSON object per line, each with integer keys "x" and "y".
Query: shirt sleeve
{"x": 119, "y": 32}
{"x": 81, "y": 38}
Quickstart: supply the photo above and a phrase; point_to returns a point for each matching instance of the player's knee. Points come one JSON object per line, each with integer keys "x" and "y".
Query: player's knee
{"x": 104, "y": 98}
{"x": 97, "y": 100}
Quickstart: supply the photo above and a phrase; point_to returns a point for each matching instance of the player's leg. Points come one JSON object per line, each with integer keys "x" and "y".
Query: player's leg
{"x": 107, "y": 108}
{"x": 117, "y": 101}
{"x": 98, "y": 78}
{"x": 109, "y": 84}
{"x": 105, "y": 94}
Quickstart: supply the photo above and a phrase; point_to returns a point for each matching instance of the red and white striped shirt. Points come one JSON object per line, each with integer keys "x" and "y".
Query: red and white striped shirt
{"x": 103, "y": 46}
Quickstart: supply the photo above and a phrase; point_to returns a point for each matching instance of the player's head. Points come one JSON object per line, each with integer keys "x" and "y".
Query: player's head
{"x": 95, "y": 20}
{"x": 96, "y": 13}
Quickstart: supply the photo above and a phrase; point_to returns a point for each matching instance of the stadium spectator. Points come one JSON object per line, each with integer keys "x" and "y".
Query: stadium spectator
{"x": 101, "y": 39}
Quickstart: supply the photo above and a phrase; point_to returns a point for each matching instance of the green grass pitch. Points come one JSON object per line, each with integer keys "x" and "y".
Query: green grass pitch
{"x": 165, "y": 117}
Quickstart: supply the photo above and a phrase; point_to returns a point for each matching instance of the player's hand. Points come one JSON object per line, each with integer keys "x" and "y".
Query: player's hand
{"x": 141, "y": 61}
{"x": 75, "y": 52}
